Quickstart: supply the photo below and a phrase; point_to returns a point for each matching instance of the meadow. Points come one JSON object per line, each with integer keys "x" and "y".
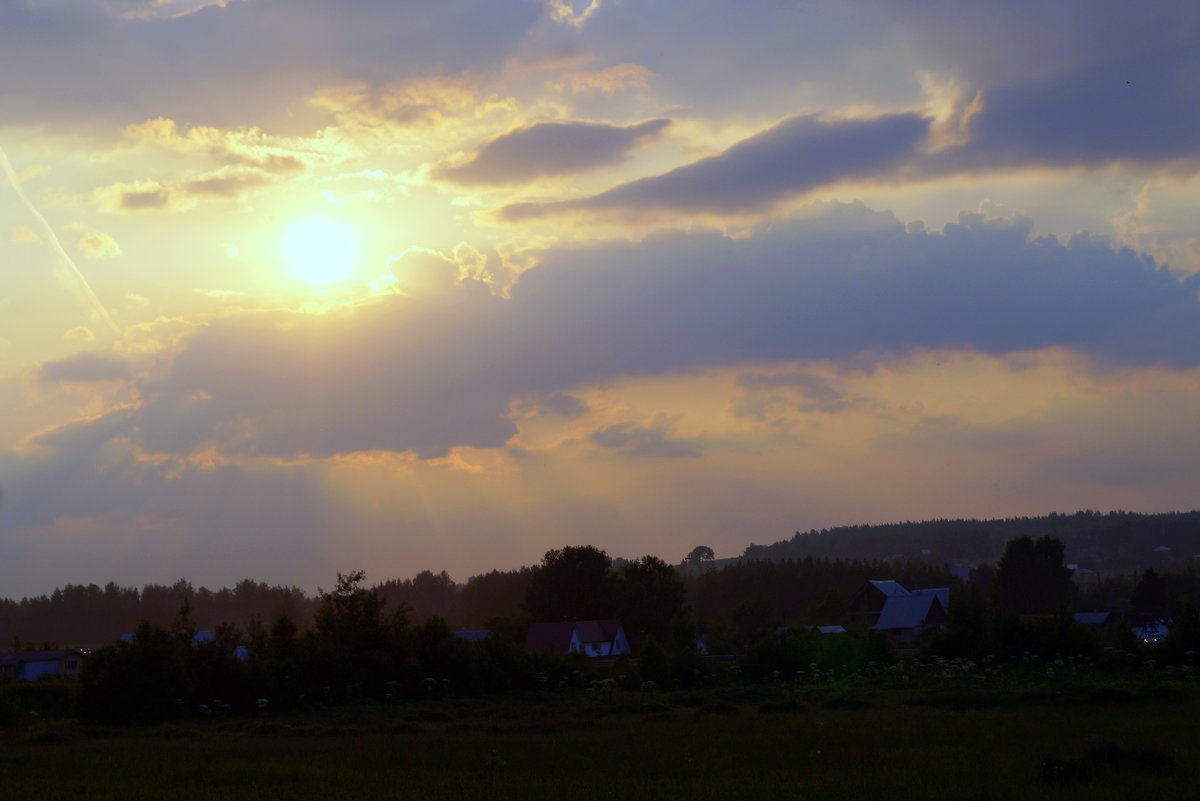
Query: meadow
{"x": 1091, "y": 741}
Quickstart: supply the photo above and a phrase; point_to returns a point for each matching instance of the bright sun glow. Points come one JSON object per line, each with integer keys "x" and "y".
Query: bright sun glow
{"x": 319, "y": 251}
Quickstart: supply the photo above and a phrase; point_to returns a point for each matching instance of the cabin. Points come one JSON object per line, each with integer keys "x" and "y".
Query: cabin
{"x": 1150, "y": 630}
{"x": 905, "y": 616}
{"x": 31, "y": 665}
{"x": 596, "y": 639}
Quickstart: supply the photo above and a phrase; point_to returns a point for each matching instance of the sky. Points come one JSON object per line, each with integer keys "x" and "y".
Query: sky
{"x": 293, "y": 287}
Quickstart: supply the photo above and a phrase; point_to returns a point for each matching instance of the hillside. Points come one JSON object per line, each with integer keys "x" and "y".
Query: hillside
{"x": 1113, "y": 542}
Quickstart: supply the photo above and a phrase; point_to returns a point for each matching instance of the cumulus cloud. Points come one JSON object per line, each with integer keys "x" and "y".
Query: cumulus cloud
{"x": 86, "y": 366}
{"x": 794, "y": 156}
{"x": 548, "y": 148}
{"x": 431, "y": 370}
{"x": 80, "y": 333}
{"x": 152, "y": 196}
{"x": 650, "y": 442}
{"x": 610, "y": 80}
{"x": 815, "y": 391}
{"x": 98, "y": 246}
{"x": 238, "y": 147}
{"x": 139, "y": 196}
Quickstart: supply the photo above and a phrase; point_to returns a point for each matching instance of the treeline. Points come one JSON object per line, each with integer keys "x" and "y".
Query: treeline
{"x": 734, "y": 603}
{"x": 1112, "y": 542}
{"x": 85, "y": 615}
{"x": 752, "y": 596}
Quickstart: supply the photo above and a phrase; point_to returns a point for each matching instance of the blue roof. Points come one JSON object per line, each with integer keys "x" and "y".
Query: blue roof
{"x": 906, "y": 612}
{"x": 889, "y": 588}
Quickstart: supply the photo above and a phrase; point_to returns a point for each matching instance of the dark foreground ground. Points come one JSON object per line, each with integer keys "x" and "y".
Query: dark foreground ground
{"x": 748, "y": 743}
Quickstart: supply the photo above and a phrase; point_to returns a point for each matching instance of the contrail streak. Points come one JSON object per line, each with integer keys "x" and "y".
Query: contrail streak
{"x": 65, "y": 272}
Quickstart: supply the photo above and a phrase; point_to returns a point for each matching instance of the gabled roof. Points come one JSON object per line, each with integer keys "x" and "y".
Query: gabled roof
{"x": 553, "y": 636}
{"x": 910, "y": 611}
{"x": 942, "y": 594}
{"x": 889, "y": 588}
{"x": 597, "y": 630}
{"x": 1093, "y": 618}
{"x": 558, "y": 636}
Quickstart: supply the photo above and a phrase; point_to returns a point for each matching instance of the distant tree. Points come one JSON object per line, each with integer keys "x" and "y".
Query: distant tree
{"x": 137, "y": 682}
{"x": 1150, "y": 597}
{"x": 652, "y": 663}
{"x": 753, "y": 619}
{"x": 699, "y": 555}
{"x": 1031, "y": 577}
{"x": 650, "y": 595}
{"x": 493, "y": 594}
{"x": 572, "y": 583}
{"x": 831, "y": 611}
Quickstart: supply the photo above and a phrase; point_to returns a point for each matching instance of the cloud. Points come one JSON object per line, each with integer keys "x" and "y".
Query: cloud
{"x": 239, "y": 147}
{"x": 548, "y": 148}
{"x": 563, "y": 405}
{"x": 792, "y": 157}
{"x": 152, "y": 196}
{"x": 815, "y": 391}
{"x": 610, "y": 80}
{"x": 79, "y": 333}
{"x": 140, "y": 196}
{"x": 288, "y": 49}
{"x": 439, "y": 367}
{"x": 647, "y": 442}
{"x": 86, "y": 366}
{"x": 227, "y": 183}
{"x": 571, "y": 13}
{"x": 23, "y": 236}
{"x": 1137, "y": 111}
{"x": 98, "y": 246}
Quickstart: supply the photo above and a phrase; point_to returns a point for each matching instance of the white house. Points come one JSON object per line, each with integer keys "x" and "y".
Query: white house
{"x": 598, "y": 639}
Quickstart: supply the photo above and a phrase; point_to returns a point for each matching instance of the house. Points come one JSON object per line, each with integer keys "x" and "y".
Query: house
{"x": 1150, "y": 630}
{"x": 1098, "y": 619}
{"x": 598, "y": 639}
{"x": 30, "y": 665}
{"x": 907, "y": 616}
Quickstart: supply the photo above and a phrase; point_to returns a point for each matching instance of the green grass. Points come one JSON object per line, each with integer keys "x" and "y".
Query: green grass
{"x": 732, "y": 745}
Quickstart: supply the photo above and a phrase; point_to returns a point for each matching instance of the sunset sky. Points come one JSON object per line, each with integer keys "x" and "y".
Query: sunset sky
{"x": 298, "y": 286}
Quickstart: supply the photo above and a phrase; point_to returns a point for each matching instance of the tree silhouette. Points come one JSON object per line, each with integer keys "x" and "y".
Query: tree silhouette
{"x": 1151, "y": 598}
{"x": 1031, "y": 578}
{"x": 572, "y": 583}
{"x": 699, "y": 555}
{"x": 651, "y": 596}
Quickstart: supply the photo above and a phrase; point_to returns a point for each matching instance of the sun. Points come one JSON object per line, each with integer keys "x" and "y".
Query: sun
{"x": 319, "y": 251}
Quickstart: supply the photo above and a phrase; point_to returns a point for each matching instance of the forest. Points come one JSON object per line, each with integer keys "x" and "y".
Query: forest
{"x": 805, "y": 580}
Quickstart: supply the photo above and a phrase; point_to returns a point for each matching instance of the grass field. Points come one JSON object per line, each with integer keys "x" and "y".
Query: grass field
{"x": 738, "y": 744}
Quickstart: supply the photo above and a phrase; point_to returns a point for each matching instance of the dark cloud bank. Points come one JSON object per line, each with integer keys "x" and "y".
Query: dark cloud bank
{"x": 427, "y": 373}
{"x": 548, "y": 148}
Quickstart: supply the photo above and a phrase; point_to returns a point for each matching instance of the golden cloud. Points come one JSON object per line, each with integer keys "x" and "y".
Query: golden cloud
{"x": 610, "y": 80}
{"x": 240, "y": 147}
{"x": 23, "y": 236}
{"x": 98, "y": 246}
